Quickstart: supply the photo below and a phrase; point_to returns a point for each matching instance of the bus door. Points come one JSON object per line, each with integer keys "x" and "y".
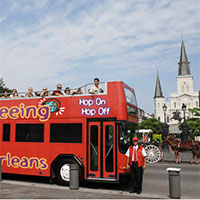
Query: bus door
{"x": 101, "y": 151}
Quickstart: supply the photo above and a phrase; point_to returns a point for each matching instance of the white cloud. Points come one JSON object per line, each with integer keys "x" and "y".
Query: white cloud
{"x": 2, "y": 19}
{"x": 72, "y": 41}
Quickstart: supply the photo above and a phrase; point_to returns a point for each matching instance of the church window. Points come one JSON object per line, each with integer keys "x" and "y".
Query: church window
{"x": 159, "y": 118}
{"x": 174, "y": 104}
{"x": 196, "y": 103}
{"x": 158, "y": 105}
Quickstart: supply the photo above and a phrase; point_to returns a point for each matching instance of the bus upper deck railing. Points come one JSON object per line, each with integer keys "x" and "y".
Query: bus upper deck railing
{"x": 85, "y": 91}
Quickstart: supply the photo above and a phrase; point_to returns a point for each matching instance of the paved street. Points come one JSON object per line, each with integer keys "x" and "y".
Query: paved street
{"x": 156, "y": 179}
{"x": 155, "y": 186}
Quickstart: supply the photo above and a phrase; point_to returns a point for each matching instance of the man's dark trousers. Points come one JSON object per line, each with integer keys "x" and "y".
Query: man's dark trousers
{"x": 136, "y": 177}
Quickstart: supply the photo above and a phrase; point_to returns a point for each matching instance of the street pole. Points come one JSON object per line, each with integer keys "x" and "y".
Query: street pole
{"x": 165, "y": 130}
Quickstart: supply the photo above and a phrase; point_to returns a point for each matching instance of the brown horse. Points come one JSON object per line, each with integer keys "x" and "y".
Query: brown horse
{"x": 178, "y": 146}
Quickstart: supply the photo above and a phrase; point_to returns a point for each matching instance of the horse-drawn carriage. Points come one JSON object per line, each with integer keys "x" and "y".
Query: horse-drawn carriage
{"x": 152, "y": 148}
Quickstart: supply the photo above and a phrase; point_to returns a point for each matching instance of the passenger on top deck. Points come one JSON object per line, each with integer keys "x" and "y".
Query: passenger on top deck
{"x": 67, "y": 91}
{"x": 30, "y": 93}
{"x": 79, "y": 91}
{"x": 14, "y": 94}
{"x": 45, "y": 92}
{"x": 96, "y": 88}
{"x": 58, "y": 91}
{"x": 5, "y": 95}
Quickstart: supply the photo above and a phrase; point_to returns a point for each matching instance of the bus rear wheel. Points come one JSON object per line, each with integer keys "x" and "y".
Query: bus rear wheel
{"x": 63, "y": 171}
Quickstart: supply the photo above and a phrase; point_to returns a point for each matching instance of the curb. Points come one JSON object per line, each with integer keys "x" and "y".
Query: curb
{"x": 81, "y": 189}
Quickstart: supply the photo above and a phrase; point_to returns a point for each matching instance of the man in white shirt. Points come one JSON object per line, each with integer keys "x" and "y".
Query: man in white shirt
{"x": 96, "y": 88}
{"x": 137, "y": 162}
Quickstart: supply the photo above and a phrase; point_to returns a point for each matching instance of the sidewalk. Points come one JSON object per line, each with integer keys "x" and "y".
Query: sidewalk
{"x": 24, "y": 190}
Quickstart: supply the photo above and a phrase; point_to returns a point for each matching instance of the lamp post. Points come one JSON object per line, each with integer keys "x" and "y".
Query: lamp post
{"x": 184, "y": 109}
{"x": 184, "y": 126}
{"x": 165, "y": 130}
{"x": 164, "y": 109}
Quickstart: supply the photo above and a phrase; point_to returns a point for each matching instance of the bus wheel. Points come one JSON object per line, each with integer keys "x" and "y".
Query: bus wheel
{"x": 63, "y": 171}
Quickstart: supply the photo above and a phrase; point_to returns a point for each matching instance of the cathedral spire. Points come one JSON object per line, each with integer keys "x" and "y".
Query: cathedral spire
{"x": 184, "y": 65}
{"x": 158, "y": 90}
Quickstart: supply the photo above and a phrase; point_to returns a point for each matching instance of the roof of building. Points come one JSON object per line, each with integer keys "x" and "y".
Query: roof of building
{"x": 158, "y": 90}
{"x": 184, "y": 65}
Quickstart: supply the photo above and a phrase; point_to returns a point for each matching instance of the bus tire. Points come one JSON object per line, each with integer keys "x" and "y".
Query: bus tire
{"x": 63, "y": 171}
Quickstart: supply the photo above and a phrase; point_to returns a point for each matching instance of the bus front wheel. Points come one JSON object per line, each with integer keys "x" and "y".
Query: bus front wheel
{"x": 63, "y": 171}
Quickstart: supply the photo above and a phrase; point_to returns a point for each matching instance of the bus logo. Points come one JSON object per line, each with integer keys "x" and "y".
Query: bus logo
{"x": 54, "y": 104}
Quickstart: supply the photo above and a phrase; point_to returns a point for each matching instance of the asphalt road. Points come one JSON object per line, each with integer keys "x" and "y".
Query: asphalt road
{"x": 156, "y": 179}
{"x": 155, "y": 185}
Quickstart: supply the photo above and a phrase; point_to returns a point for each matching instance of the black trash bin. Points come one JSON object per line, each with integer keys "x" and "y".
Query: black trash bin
{"x": 174, "y": 183}
{"x": 74, "y": 177}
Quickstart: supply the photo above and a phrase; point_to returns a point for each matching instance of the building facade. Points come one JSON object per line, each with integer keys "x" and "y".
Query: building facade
{"x": 185, "y": 93}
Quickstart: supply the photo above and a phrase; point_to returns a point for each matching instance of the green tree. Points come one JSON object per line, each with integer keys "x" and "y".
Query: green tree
{"x": 153, "y": 124}
{"x": 194, "y": 123}
{"x": 195, "y": 111}
{"x": 2, "y": 85}
{"x": 3, "y": 88}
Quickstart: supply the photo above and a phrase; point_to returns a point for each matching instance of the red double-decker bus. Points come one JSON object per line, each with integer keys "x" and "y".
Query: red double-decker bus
{"x": 43, "y": 136}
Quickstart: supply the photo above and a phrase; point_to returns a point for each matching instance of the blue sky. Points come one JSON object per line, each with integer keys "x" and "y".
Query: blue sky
{"x": 45, "y": 42}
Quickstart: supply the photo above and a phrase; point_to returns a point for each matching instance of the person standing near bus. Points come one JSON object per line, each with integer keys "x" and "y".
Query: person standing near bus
{"x": 137, "y": 162}
{"x": 96, "y": 88}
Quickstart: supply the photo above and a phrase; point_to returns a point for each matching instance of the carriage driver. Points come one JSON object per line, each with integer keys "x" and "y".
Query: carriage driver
{"x": 137, "y": 162}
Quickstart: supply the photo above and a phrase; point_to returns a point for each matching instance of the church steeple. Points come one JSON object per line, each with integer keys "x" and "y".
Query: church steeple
{"x": 158, "y": 90}
{"x": 184, "y": 65}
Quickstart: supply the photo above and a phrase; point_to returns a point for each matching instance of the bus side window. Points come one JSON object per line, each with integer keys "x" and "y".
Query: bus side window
{"x": 29, "y": 133}
{"x": 6, "y": 132}
{"x": 66, "y": 133}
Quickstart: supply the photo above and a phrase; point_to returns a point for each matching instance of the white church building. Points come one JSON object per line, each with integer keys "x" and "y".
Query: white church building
{"x": 185, "y": 93}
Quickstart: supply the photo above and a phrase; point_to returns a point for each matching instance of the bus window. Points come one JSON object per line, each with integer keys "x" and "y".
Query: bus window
{"x": 109, "y": 148}
{"x": 6, "y": 132}
{"x": 29, "y": 133}
{"x": 132, "y": 111}
{"x": 66, "y": 133}
{"x": 94, "y": 148}
{"x": 130, "y": 97}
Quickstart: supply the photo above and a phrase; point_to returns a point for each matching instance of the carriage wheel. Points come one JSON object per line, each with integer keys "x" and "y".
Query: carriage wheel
{"x": 153, "y": 154}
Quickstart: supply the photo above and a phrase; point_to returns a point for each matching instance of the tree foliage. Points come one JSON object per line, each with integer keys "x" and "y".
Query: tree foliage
{"x": 153, "y": 124}
{"x": 3, "y": 88}
{"x": 2, "y": 85}
{"x": 194, "y": 123}
{"x": 196, "y": 112}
